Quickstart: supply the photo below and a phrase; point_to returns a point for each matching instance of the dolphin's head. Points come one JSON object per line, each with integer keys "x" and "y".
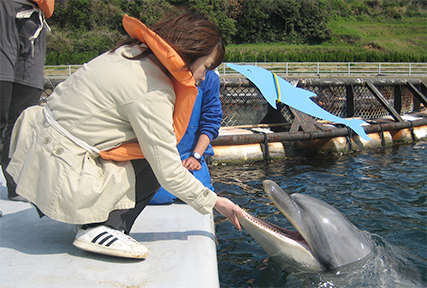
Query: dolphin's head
{"x": 324, "y": 240}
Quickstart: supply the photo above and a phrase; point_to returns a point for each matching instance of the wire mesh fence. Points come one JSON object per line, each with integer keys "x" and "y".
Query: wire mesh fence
{"x": 243, "y": 104}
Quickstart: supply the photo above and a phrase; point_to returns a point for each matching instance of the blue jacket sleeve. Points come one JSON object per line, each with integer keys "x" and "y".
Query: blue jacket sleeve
{"x": 211, "y": 114}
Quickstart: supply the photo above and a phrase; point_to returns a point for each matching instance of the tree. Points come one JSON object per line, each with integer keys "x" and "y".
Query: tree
{"x": 221, "y": 11}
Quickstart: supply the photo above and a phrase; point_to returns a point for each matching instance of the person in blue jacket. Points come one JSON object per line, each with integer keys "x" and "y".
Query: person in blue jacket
{"x": 195, "y": 145}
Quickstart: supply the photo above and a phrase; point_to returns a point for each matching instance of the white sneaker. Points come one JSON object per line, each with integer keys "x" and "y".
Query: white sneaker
{"x": 108, "y": 241}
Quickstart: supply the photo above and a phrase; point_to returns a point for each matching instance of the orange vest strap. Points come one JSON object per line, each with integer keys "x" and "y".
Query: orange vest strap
{"x": 182, "y": 79}
{"x": 127, "y": 151}
{"x": 47, "y": 7}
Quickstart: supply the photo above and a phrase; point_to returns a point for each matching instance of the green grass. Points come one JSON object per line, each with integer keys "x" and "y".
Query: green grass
{"x": 408, "y": 38}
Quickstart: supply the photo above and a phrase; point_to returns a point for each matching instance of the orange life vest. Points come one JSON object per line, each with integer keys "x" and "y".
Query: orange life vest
{"x": 183, "y": 83}
{"x": 47, "y": 7}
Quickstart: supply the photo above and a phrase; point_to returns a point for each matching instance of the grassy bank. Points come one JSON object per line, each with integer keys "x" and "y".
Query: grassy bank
{"x": 351, "y": 41}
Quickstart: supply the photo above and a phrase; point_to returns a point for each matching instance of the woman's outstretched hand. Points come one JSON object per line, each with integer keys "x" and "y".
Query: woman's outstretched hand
{"x": 230, "y": 210}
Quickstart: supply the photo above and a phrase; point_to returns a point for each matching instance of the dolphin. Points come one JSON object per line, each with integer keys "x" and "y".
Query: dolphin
{"x": 324, "y": 240}
{"x": 275, "y": 89}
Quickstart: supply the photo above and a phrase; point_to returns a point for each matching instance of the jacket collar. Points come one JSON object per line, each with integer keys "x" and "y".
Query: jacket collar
{"x": 163, "y": 51}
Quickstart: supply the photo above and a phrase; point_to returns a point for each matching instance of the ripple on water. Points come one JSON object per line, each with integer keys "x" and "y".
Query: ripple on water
{"x": 382, "y": 191}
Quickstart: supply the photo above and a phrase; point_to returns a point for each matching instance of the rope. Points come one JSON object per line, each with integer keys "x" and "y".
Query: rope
{"x": 382, "y": 135}
{"x": 51, "y": 120}
{"x": 277, "y": 87}
{"x": 414, "y": 137}
{"x": 264, "y": 145}
{"x": 348, "y": 138}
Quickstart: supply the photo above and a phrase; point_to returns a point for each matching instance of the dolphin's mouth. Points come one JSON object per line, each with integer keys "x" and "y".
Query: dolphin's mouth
{"x": 279, "y": 231}
{"x": 324, "y": 238}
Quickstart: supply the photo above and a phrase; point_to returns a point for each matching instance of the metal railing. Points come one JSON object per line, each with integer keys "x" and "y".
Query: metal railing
{"x": 335, "y": 69}
{"x": 60, "y": 71}
{"x": 306, "y": 69}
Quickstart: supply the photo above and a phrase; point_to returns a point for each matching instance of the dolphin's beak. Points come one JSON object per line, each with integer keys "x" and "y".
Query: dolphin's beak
{"x": 277, "y": 231}
{"x": 288, "y": 207}
{"x": 284, "y": 246}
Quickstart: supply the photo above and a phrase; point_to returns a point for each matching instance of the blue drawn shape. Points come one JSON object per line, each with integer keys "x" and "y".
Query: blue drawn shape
{"x": 271, "y": 87}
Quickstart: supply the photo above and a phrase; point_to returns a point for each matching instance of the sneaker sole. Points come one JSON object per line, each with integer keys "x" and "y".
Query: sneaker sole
{"x": 99, "y": 249}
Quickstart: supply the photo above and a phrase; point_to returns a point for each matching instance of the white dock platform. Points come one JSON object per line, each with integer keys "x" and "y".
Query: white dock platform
{"x": 38, "y": 252}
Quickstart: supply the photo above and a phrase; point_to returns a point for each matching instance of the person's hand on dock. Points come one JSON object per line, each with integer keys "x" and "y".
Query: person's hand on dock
{"x": 230, "y": 210}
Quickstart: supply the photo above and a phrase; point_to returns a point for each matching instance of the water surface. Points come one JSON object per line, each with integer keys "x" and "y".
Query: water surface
{"x": 381, "y": 191}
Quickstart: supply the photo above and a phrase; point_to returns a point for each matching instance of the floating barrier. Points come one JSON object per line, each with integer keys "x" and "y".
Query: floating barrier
{"x": 259, "y": 142}
{"x": 246, "y": 152}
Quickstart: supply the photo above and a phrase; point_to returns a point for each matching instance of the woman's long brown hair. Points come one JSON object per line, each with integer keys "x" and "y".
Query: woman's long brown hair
{"x": 190, "y": 33}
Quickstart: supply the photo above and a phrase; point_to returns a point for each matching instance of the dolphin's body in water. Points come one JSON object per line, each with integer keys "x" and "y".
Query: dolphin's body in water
{"x": 325, "y": 239}
{"x": 272, "y": 87}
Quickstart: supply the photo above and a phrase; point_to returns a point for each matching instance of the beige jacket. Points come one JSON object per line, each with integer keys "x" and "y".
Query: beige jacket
{"x": 109, "y": 101}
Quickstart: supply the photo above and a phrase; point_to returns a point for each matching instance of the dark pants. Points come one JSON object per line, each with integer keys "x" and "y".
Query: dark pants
{"x": 146, "y": 186}
{"x": 15, "y": 98}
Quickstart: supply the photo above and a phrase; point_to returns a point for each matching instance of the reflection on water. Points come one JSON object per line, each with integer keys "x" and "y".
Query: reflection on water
{"x": 382, "y": 191}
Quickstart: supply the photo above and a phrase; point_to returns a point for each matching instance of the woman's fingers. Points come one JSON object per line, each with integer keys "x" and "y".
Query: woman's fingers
{"x": 230, "y": 210}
